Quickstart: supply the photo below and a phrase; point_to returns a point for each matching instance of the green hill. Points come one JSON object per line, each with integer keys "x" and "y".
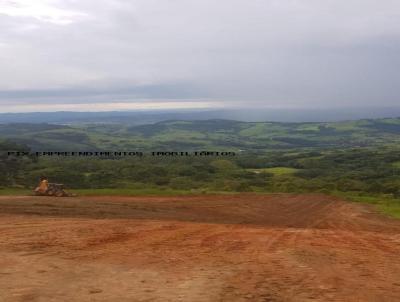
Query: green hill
{"x": 211, "y": 134}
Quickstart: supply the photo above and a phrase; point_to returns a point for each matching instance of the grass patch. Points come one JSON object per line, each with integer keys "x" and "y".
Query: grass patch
{"x": 396, "y": 165}
{"x": 15, "y": 191}
{"x": 276, "y": 171}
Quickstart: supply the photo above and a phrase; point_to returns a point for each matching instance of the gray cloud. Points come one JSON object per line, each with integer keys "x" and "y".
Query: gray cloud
{"x": 266, "y": 52}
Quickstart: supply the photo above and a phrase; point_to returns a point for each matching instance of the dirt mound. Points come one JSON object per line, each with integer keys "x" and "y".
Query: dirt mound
{"x": 196, "y": 248}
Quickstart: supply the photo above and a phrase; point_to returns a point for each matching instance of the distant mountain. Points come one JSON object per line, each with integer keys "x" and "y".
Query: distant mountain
{"x": 243, "y": 114}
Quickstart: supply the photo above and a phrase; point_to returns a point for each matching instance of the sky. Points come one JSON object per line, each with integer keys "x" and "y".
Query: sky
{"x": 140, "y": 54}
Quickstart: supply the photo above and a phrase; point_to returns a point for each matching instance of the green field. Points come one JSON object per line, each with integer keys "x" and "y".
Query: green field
{"x": 276, "y": 170}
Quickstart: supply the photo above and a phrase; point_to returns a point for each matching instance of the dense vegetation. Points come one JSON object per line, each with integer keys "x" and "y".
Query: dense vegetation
{"x": 359, "y": 156}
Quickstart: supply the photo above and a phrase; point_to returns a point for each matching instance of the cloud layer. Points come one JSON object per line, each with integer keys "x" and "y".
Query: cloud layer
{"x": 299, "y": 53}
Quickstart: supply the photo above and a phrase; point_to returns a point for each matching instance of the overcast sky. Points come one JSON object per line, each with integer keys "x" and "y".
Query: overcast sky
{"x": 116, "y": 54}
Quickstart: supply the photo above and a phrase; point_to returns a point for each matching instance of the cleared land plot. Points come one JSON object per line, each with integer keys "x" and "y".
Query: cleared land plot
{"x": 196, "y": 248}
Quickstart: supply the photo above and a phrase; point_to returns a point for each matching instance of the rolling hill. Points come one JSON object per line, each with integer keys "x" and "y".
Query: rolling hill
{"x": 204, "y": 134}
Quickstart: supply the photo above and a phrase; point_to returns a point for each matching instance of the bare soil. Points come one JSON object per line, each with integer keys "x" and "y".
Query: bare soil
{"x": 196, "y": 248}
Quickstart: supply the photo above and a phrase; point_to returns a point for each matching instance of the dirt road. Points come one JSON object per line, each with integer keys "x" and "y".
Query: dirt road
{"x": 197, "y": 248}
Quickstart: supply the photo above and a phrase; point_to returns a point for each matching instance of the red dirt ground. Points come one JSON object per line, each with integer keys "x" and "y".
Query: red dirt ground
{"x": 196, "y": 248}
